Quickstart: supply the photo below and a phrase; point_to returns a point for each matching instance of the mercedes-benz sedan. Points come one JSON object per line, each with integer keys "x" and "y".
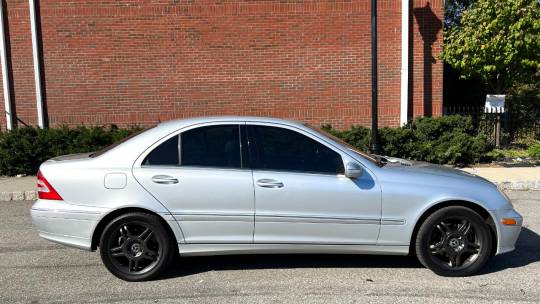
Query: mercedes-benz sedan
{"x": 246, "y": 185}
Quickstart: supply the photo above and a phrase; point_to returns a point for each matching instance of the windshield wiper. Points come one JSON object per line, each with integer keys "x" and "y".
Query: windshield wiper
{"x": 381, "y": 160}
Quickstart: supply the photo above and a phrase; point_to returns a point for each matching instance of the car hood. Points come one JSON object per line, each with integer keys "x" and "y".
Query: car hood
{"x": 404, "y": 165}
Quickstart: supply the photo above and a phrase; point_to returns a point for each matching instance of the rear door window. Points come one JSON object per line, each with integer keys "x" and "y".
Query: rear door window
{"x": 165, "y": 154}
{"x": 211, "y": 146}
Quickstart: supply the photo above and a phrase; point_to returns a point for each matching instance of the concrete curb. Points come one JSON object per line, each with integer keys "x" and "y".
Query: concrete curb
{"x": 31, "y": 195}
{"x": 519, "y": 185}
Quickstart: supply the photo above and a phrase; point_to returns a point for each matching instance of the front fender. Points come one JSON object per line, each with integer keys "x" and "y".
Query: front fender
{"x": 404, "y": 204}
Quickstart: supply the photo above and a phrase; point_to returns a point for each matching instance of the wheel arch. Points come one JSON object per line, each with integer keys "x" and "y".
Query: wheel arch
{"x": 98, "y": 230}
{"x": 483, "y": 212}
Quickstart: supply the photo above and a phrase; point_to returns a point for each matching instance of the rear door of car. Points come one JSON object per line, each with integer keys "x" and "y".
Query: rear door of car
{"x": 201, "y": 176}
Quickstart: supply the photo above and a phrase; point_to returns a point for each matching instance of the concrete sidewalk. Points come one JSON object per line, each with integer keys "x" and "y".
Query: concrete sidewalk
{"x": 501, "y": 175}
{"x": 12, "y": 184}
{"x": 528, "y": 178}
{"x": 524, "y": 178}
{"x": 17, "y": 188}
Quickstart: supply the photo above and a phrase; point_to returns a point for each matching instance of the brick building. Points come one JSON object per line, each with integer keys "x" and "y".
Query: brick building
{"x": 140, "y": 62}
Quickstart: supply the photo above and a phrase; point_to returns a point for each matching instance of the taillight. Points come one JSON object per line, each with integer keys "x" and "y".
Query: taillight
{"x": 45, "y": 190}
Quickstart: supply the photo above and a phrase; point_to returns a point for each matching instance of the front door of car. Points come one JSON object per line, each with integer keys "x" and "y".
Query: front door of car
{"x": 200, "y": 177}
{"x": 302, "y": 195}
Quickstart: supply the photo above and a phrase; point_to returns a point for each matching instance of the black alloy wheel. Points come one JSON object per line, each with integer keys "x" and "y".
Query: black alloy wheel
{"x": 454, "y": 241}
{"x": 136, "y": 247}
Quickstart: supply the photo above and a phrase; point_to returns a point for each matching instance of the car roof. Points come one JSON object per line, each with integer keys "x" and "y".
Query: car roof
{"x": 178, "y": 123}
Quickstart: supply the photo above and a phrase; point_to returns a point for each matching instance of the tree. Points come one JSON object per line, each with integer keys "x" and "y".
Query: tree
{"x": 453, "y": 10}
{"x": 497, "y": 41}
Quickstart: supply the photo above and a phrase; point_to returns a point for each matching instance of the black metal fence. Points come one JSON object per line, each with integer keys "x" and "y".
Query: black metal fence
{"x": 501, "y": 127}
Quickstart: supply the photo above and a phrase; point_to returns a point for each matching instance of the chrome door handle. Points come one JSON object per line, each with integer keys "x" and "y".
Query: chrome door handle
{"x": 164, "y": 179}
{"x": 269, "y": 183}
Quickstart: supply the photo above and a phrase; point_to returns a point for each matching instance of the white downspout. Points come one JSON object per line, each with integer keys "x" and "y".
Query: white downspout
{"x": 37, "y": 70}
{"x": 404, "y": 62}
{"x": 5, "y": 76}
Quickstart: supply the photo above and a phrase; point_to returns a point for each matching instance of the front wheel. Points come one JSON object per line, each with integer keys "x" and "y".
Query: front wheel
{"x": 136, "y": 247}
{"x": 454, "y": 241}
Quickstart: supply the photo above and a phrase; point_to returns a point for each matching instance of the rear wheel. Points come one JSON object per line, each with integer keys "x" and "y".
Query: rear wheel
{"x": 454, "y": 241}
{"x": 136, "y": 247}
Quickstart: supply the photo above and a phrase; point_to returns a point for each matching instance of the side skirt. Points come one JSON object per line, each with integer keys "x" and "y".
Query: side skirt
{"x": 231, "y": 249}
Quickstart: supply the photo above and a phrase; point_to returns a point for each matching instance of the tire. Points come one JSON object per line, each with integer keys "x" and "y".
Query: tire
{"x": 136, "y": 247}
{"x": 454, "y": 241}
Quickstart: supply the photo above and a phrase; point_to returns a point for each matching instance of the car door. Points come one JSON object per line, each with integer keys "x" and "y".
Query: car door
{"x": 301, "y": 193}
{"x": 200, "y": 177}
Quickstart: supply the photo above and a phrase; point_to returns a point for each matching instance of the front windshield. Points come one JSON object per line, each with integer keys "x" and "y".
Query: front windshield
{"x": 364, "y": 154}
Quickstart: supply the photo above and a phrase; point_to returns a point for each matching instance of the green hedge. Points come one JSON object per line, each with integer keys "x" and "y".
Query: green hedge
{"x": 534, "y": 150}
{"x": 22, "y": 150}
{"x": 446, "y": 140}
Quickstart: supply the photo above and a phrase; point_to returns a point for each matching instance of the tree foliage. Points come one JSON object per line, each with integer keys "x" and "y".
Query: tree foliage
{"x": 453, "y": 10}
{"x": 497, "y": 41}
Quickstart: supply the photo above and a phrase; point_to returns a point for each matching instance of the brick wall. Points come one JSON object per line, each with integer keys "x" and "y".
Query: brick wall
{"x": 139, "y": 62}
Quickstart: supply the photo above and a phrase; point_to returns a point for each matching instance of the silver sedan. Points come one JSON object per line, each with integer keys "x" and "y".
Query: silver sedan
{"x": 247, "y": 185}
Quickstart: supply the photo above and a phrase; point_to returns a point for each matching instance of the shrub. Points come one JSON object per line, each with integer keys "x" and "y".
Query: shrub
{"x": 534, "y": 150}
{"x": 500, "y": 154}
{"x": 447, "y": 140}
{"x": 22, "y": 150}
{"x": 397, "y": 142}
{"x": 444, "y": 140}
{"x": 357, "y": 136}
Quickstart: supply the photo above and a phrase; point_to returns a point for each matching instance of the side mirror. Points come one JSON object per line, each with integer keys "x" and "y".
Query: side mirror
{"x": 353, "y": 170}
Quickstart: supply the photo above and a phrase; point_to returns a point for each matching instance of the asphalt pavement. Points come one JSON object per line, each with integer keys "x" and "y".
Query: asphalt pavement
{"x": 33, "y": 270}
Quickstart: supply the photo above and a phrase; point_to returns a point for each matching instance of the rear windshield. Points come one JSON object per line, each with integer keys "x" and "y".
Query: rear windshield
{"x": 108, "y": 148}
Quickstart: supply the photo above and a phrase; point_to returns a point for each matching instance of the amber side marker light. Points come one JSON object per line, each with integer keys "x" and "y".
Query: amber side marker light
{"x": 508, "y": 221}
